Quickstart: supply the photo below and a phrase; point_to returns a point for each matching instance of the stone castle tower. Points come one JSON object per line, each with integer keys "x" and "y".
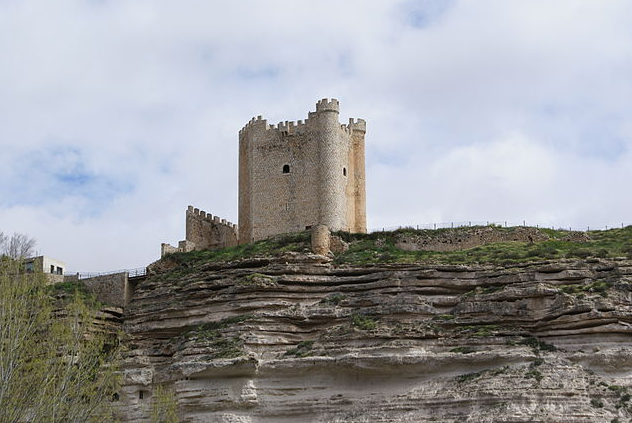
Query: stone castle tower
{"x": 295, "y": 175}
{"x": 292, "y": 176}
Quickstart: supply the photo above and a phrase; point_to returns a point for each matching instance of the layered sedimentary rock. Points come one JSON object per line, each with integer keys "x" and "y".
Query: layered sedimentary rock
{"x": 296, "y": 338}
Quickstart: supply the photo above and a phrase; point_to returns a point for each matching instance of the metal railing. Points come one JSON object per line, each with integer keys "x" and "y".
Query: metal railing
{"x": 505, "y": 224}
{"x": 132, "y": 273}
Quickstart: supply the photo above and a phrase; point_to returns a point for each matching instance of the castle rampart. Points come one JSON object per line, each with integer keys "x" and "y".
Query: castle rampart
{"x": 204, "y": 231}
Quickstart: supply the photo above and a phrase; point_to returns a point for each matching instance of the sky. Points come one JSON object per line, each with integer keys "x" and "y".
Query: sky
{"x": 115, "y": 115}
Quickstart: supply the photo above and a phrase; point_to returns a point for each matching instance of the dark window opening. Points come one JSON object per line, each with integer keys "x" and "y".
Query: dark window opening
{"x": 141, "y": 394}
{"x": 307, "y": 228}
{"x": 286, "y": 168}
{"x": 344, "y": 171}
{"x": 52, "y": 269}
{"x": 60, "y": 271}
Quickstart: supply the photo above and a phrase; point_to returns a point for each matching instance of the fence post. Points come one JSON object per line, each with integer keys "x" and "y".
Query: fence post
{"x": 435, "y": 225}
{"x": 452, "y": 225}
{"x": 524, "y": 223}
{"x": 505, "y": 223}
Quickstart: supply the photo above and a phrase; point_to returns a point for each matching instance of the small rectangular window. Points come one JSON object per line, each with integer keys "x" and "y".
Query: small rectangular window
{"x": 60, "y": 271}
{"x": 141, "y": 395}
{"x": 52, "y": 269}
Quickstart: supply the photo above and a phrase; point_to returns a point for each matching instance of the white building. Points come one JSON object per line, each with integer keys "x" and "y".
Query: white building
{"x": 53, "y": 269}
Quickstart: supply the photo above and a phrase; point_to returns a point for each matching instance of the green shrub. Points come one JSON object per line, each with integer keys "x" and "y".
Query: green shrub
{"x": 303, "y": 349}
{"x": 468, "y": 377}
{"x": 334, "y": 299}
{"x": 463, "y": 350}
{"x": 363, "y": 322}
{"x": 537, "y": 345}
{"x": 534, "y": 374}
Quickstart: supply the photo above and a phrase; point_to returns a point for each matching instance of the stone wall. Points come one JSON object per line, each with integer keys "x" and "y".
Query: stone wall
{"x": 206, "y": 231}
{"x": 299, "y": 174}
{"x": 463, "y": 238}
{"x": 109, "y": 289}
{"x": 203, "y": 232}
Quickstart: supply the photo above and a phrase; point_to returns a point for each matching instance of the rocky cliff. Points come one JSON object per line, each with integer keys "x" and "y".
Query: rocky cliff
{"x": 300, "y": 338}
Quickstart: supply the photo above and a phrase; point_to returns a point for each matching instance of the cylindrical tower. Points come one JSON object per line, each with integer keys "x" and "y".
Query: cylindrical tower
{"x": 331, "y": 158}
{"x": 357, "y": 145}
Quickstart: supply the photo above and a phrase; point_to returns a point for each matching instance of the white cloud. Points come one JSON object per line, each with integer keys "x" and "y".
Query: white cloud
{"x": 477, "y": 110}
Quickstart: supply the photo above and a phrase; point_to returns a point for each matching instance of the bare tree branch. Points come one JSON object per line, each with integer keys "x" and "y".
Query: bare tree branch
{"x": 18, "y": 246}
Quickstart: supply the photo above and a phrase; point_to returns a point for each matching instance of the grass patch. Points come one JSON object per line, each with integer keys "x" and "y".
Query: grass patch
{"x": 210, "y": 335}
{"x": 363, "y": 322}
{"x": 226, "y": 347}
{"x": 333, "y": 299}
{"x": 380, "y": 247}
{"x": 537, "y": 345}
{"x": 617, "y": 389}
{"x": 445, "y": 317}
{"x": 299, "y": 242}
{"x": 75, "y": 288}
{"x": 463, "y": 350}
{"x": 480, "y": 330}
{"x": 468, "y": 377}
{"x": 255, "y": 279}
{"x": 303, "y": 349}
{"x": 69, "y": 287}
{"x": 600, "y": 286}
{"x": 534, "y": 374}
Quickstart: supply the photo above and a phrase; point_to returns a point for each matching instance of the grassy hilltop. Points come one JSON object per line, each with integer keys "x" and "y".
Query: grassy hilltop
{"x": 382, "y": 247}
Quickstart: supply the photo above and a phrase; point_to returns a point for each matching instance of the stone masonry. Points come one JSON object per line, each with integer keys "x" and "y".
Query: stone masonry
{"x": 295, "y": 175}
{"x": 292, "y": 177}
{"x": 204, "y": 231}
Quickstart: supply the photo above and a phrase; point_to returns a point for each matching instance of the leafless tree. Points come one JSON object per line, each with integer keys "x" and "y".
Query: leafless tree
{"x": 17, "y": 246}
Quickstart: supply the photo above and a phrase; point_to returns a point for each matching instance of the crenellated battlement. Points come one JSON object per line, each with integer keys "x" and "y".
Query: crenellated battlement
{"x": 357, "y": 124}
{"x": 286, "y": 128}
{"x": 326, "y": 105}
{"x": 208, "y": 217}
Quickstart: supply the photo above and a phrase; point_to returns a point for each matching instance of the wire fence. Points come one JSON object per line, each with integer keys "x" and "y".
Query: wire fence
{"x": 132, "y": 273}
{"x": 504, "y": 224}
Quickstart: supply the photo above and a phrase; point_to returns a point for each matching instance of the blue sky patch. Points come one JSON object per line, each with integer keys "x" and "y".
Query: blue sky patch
{"x": 421, "y": 13}
{"x": 41, "y": 177}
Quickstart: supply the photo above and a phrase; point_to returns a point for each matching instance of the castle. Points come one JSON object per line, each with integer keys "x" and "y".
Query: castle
{"x": 292, "y": 177}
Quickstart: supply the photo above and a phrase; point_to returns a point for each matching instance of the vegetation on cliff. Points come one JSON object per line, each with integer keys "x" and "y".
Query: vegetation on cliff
{"x": 382, "y": 247}
{"x": 385, "y": 247}
{"x": 54, "y": 364}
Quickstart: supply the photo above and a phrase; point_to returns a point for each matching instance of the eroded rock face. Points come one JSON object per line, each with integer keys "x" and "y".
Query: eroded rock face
{"x": 298, "y": 339}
